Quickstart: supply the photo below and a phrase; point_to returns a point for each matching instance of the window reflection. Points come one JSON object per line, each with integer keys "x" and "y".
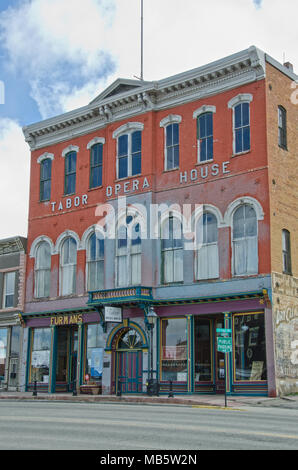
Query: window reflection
{"x": 174, "y": 350}
{"x": 203, "y": 370}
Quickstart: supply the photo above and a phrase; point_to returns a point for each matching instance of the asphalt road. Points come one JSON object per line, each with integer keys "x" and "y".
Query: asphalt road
{"x": 28, "y": 425}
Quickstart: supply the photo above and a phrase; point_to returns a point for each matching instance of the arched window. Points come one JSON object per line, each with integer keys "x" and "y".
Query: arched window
{"x": 128, "y": 255}
{"x": 68, "y": 264}
{"x": 96, "y": 152}
{"x": 43, "y": 270}
{"x": 172, "y": 250}
{"x": 245, "y": 241}
{"x": 171, "y": 131}
{"x": 207, "y": 264}
{"x": 95, "y": 262}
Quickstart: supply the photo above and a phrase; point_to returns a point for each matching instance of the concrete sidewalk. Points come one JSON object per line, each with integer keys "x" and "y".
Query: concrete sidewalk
{"x": 188, "y": 400}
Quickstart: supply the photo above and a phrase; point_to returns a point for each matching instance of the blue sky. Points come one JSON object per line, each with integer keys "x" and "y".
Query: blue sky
{"x": 54, "y": 58}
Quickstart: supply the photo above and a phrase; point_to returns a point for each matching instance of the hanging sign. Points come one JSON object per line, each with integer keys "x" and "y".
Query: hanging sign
{"x": 113, "y": 314}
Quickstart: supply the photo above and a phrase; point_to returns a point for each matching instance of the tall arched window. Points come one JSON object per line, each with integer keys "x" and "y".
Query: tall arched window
{"x": 205, "y": 137}
{"x": 45, "y": 179}
{"x": 172, "y": 250}
{"x": 207, "y": 264}
{"x": 245, "y": 241}
{"x": 128, "y": 255}
{"x": 43, "y": 270}
{"x": 95, "y": 263}
{"x": 70, "y": 173}
{"x": 68, "y": 264}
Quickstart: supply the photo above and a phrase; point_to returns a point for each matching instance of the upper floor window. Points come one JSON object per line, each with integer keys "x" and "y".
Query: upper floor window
{"x": 130, "y": 154}
{"x": 245, "y": 241}
{"x": 128, "y": 254}
{"x": 207, "y": 264}
{"x": 286, "y": 252}
{"x": 95, "y": 263}
{"x": 172, "y": 250}
{"x": 9, "y": 289}
{"x": 70, "y": 173}
{"x": 171, "y": 148}
{"x": 96, "y": 161}
{"x": 282, "y": 127}
{"x": 45, "y": 179}
{"x": 241, "y": 122}
{"x": 205, "y": 137}
{"x": 68, "y": 264}
{"x": 43, "y": 270}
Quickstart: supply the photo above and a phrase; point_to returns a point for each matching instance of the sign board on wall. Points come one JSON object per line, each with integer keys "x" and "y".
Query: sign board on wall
{"x": 113, "y": 314}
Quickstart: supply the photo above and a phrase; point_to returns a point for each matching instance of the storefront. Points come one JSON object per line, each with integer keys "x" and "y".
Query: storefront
{"x": 184, "y": 349}
{"x": 62, "y": 349}
{"x": 10, "y": 342}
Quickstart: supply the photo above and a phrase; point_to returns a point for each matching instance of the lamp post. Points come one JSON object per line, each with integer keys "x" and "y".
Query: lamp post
{"x": 153, "y": 386}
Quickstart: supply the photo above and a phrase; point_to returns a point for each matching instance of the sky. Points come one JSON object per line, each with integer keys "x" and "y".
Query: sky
{"x": 58, "y": 55}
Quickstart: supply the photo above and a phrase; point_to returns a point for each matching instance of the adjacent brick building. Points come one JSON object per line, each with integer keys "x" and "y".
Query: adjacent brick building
{"x": 179, "y": 197}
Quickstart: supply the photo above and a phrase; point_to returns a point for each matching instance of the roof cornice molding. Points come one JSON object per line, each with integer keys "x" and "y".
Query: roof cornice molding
{"x": 227, "y": 73}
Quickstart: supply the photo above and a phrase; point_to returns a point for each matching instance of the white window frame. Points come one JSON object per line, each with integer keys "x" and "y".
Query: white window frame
{"x": 6, "y": 294}
{"x": 98, "y": 260}
{"x": 203, "y": 251}
{"x": 164, "y": 123}
{"x": 37, "y": 270}
{"x": 206, "y": 108}
{"x": 245, "y": 239}
{"x": 62, "y": 269}
{"x": 240, "y": 99}
{"x": 130, "y": 251}
{"x": 127, "y": 129}
{"x": 177, "y": 277}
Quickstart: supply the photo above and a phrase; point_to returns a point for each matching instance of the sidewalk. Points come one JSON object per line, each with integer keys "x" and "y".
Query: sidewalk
{"x": 188, "y": 400}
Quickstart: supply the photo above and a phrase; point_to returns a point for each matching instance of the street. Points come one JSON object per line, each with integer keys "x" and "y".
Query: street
{"x": 29, "y": 425}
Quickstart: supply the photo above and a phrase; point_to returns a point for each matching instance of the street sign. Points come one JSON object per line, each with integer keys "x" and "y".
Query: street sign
{"x": 223, "y": 330}
{"x": 224, "y": 344}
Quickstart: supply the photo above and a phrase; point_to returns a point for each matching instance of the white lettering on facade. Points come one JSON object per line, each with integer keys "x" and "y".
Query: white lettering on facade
{"x": 69, "y": 203}
{"x": 204, "y": 172}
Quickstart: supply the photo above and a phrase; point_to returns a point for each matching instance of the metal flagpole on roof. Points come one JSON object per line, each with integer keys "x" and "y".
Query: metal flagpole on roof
{"x": 142, "y": 39}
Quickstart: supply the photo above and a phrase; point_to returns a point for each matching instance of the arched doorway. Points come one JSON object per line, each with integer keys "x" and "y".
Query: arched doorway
{"x": 129, "y": 361}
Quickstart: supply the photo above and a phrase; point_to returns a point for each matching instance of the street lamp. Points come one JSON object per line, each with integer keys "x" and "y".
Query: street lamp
{"x": 153, "y": 386}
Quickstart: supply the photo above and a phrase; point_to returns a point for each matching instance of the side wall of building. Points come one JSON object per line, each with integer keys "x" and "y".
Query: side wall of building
{"x": 283, "y": 190}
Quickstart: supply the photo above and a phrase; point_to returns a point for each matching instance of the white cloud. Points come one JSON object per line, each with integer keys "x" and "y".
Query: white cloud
{"x": 67, "y": 52}
{"x": 14, "y": 171}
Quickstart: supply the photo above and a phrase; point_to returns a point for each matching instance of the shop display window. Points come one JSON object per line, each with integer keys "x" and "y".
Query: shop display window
{"x": 40, "y": 355}
{"x": 174, "y": 350}
{"x": 249, "y": 347}
{"x": 203, "y": 354}
{"x": 95, "y": 350}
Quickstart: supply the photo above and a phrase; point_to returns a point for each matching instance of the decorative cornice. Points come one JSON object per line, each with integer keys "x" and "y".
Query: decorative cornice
{"x": 45, "y": 156}
{"x": 204, "y": 109}
{"x": 70, "y": 148}
{"x": 96, "y": 140}
{"x": 170, "y": 119}
{"x": 230, "y": 72}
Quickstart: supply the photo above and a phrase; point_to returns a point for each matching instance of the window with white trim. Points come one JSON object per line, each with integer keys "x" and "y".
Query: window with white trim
{"x": 172, "y": 146}
{"x": 207, "y": 262}
{"x": 129, "y": 254}
{"x": 96, "y": 153}
{"x": 172, "y": 250}
{"x": 240, "y": 105}
{"x": 70, "y": 173}
{"x": 9, "y": 289}
{"x": 205, "y": 137}
{"x": 45, "y": 179}
{"x": 43, "y": 270}
{"x": 95, "y": 262}
{"x": 129, "y": 158}
{"x": 68, "y": 265}
{"x": 245, "y": 241}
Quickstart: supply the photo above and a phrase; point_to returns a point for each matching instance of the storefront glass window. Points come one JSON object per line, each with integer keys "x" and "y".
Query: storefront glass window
{"x": 174, "y": 350}
{"x": 3, "y": 350}
{"x": 95, "y": 349}
{"x": 250, "y": 349}
{"x": 40, "y": 355}
{"x": 15, "y": 341}
{"x": 203, "y": 369}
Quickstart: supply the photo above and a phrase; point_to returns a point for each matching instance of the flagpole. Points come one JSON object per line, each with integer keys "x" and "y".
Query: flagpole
{"x": 142, "y": 40}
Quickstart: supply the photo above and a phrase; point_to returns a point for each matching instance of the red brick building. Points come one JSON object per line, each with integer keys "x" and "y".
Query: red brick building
{"x": 190, "y": 154}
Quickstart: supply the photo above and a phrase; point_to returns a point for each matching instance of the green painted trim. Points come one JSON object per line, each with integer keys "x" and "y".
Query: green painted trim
{"x": 53, "y": 360}
{"x": 28, "y": 358}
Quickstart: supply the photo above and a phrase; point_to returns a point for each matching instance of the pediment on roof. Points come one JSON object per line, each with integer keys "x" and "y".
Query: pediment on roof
{"x": 118, "y": 87}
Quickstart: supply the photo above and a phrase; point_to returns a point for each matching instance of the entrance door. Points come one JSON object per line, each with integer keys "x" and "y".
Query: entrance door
{"x": 67, "y": 346}
{"x": 129, "y": 363}
{"x": 129, "y": 371}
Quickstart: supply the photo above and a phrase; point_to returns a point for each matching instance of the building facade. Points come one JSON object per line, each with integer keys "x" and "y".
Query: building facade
{"x": 12, "y": 290}
{"x": 167, "y": 196}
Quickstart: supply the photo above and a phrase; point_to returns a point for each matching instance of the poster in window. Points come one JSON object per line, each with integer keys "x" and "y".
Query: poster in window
{"x": 256, "y": 370}
{"x": 96, "y": 362}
